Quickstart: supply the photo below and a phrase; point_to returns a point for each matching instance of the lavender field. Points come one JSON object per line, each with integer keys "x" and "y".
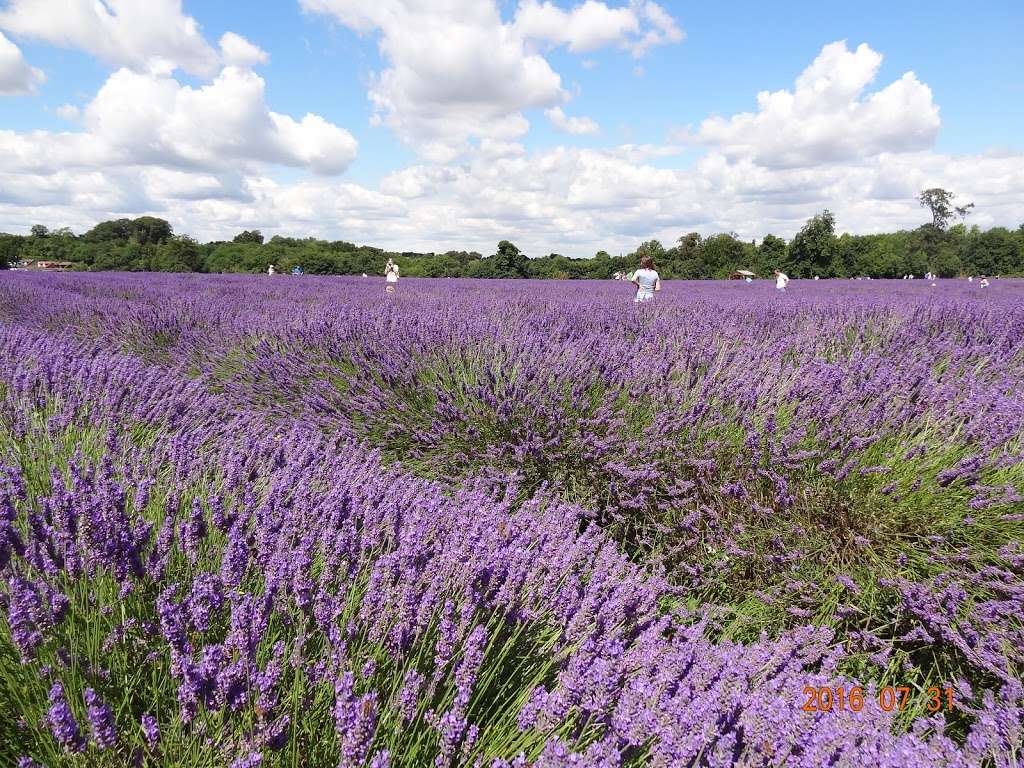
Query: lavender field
{"x": 289, "y": 522}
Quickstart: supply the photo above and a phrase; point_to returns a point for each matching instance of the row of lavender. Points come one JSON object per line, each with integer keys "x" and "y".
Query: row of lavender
{"x": 816, "y": 456}
{"x": 200, "y": 566}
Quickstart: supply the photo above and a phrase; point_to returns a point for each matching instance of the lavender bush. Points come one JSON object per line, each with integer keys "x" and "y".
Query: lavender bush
{"x": 288, "y": 522}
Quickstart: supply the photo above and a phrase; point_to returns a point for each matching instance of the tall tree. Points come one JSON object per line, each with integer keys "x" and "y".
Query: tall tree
{"x": 771, "y": 253}
{"x": 178, "y": 254}
{"x": 249, "y": 236}
{"x": 149, "y": 229}
{"x": 509, "y": 261}
{"x": 10, "y": 250}
{"x": 723, "y": 254}
{"x": 940, "y": 203}
{"x": 812, "y": 250}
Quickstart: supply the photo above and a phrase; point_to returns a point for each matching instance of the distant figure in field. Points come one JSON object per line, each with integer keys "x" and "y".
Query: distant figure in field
{"x": 271, "y": 270}
{"x": 647, "y": 281}
{"x": 816, "y": 277}
{"x": 750, "y": 279}
{"x": 781, "y": 281}
{"x": 390, "y": 276}
{"x": 984, "y": 282}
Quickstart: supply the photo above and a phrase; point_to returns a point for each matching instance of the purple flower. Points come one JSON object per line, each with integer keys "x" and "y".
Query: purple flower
{"x": 848, "y": 583}
{"x": 205, "y": 598}
{"x": 26, "y": 617}
{"x": 101, "y": 720}
{"x": 408, "y": 697}
{"x": 150, "y": 730}
{"x": 355, "y": 721}
{"x": 250, "y": 760}
{"x": 62, "y": 722}
{"x": 193, "y": 531}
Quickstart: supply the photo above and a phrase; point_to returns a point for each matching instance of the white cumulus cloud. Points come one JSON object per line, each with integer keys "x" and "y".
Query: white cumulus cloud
{"x": 204, "y": 157}
{"x": 636, "y": 27}
{"x": 238, "y": 52}
{"x": 16, "y": 76}
{"x": 131, "y": 33}
{"x": 578, "y": 126}
{"x": 661, "y": 28}
{"x": 140, "y": 119}
{"x": 68, "y": 112}
{"x": 827, "y": 117}
{"x": 586, "y": 27}
{"x": 457, "y": 72}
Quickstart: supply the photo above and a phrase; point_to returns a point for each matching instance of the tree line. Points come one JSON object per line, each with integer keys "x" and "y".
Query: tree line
{"x": 939, "y": 246}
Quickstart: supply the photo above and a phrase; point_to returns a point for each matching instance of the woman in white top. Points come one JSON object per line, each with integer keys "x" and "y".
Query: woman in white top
{"x": 646, "y": 280}
{"x": 390, "y": 276}
{"x": 781, "y": 280}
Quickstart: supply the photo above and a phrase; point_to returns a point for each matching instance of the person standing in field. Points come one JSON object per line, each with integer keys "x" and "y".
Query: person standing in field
{"x": 984, "y": 282}
{"x": 781, "y": 281}
{"x": 390, "y": 276}
{"x": 271, "y": 271}
{"x": 647, "y": 281}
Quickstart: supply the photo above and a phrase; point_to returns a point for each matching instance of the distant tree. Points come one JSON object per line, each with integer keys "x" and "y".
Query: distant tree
{"x": 814, "y": 247}
{"x": 509, "y": 261}
{"x": 148, "y": 243}
{"x": 178, "y": 254}
{"x": 685, "y": 259}
{"x": 651, "y": 248}
{"x": 10, "y": 250}
{"x": 119, "y": 230}
{"x": 996, "y": 251}
{"x": 249, "y": 236}
{"x": 318, "y": 262}
{"x": 771, "y": 253}
{"x": 723, "y": 254}
{"x": 940, "y": 203}
{"x": 149, "y": 229}
{"x": 145, "y": 230}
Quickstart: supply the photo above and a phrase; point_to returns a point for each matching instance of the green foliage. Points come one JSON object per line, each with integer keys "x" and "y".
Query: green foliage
{"x": 143, "y": 230}
{"x": 771, "y": 253}
{"x": 723, "y": 254}
{"x": 249, "y": 236}
{"x": 179, "y": 254}
{"x": 10, "y": 250}
{"x": 509, "y": 261}
{"x": 995, "y": 252}
{"x": 814, "y": 248}
{"x": 940, "y": 204}
{"x": 148, "y": 243}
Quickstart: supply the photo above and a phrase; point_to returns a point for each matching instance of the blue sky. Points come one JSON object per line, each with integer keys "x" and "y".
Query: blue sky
{"x": 420, "y": 157}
